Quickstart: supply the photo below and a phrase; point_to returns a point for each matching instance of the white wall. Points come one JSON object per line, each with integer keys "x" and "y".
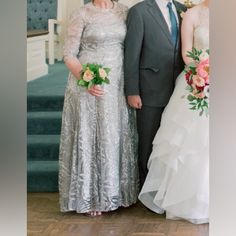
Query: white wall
{"x": 73, "y": 4}
{"x": 68, "y": 6}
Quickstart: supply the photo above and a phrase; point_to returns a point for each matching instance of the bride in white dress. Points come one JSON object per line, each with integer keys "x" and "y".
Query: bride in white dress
{"x": 178, "y": 179}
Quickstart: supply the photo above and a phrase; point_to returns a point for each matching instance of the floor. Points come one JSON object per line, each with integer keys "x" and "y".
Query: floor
{"x": 45, "y": 219}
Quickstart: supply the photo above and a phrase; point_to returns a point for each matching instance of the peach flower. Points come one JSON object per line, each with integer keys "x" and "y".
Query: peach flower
{"x": 88, "y": 75}
{"x": 198, "y": 81}
{"x": 102, "y": 73}
{"x": 199, "y": 95}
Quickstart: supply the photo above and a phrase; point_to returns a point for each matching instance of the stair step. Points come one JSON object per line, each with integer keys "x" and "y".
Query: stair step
{"x": 45, "y": 98}
{"x": 45, "y": 103}
{"x": 42, "y": 176}
{"x": 43, "y": 147}
{"x": 44, "y": 122}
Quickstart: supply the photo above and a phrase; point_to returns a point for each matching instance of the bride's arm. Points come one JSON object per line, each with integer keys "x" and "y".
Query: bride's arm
{"x": 187, "y": 31}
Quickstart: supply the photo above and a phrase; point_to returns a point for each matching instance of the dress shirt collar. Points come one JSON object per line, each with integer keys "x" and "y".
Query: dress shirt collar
{"x": 163, "y": 3}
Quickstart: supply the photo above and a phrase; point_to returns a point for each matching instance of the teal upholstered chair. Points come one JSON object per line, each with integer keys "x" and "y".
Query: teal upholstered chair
{"x": 43, "y": 17}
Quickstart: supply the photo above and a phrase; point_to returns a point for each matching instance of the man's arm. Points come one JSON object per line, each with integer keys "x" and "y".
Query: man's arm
{"x": 133, "y": 46}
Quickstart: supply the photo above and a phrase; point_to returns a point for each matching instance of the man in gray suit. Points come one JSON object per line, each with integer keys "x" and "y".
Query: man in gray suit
{"x": 152, "y": 63}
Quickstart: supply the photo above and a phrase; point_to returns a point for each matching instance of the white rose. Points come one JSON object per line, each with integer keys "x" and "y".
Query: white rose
{"x": 203, "y": 56}
{"x": 207, "y": 91}
{"x": 182, "y": 13}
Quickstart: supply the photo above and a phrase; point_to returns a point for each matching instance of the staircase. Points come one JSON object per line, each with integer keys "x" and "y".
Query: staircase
{"x": 44, "y": 105}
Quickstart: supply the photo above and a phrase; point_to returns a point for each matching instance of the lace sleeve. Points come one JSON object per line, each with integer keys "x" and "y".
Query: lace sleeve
{"x": 73, "y": 36}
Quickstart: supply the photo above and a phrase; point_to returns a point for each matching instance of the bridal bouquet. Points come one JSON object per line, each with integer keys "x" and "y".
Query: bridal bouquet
{"x": 93, "y": 74}
{"x": 197, "y": 77}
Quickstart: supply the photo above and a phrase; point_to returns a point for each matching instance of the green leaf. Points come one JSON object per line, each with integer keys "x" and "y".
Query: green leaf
{"x": 92, "y": 67}
{"x": 107, "y": 70}
{"x": 98, "y": 82}
{"x": 191, "y": 98}
{"x": 90, "y": 84}
{"x": 193, "y": 69}
{"x": 107, "y": 81}
{"x": 84, "y": 67}
{"x": 205, "y": 103}
{"x": 191, "y": 64}
{"x": 81, "y": 82}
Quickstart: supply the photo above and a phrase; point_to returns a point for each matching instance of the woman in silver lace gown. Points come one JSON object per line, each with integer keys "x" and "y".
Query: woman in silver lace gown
{"x": 97, "y": 160}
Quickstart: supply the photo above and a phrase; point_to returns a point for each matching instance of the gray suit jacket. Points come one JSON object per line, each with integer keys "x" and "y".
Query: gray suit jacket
{"x": 152, "y": 62}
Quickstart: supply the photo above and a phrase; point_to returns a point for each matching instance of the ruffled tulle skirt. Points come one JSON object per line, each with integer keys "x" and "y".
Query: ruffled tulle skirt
{"x": 178, "y": 179}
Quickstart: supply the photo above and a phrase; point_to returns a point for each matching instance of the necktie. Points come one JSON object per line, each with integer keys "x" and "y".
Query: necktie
{"x": 174, "y": 24}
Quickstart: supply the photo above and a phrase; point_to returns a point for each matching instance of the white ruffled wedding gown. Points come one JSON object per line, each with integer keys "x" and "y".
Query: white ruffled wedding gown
{"x": 178, "y": 179}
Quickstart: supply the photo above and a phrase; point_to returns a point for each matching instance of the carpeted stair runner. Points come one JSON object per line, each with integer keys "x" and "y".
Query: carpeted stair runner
{"x": 43, "y": 147}
{"x": 44, "y": 103}
{"x": 43, "y": 122}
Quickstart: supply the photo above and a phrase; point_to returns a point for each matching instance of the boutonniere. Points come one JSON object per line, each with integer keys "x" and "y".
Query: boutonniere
{"x": 181, "y": 13}
{"x": 187, "y": 4}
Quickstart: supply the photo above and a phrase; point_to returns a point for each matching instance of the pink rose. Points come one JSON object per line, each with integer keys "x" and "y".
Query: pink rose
{"x": 198, "y": 81}
{"x": 207, "y": 79}
{"x": 88, "y": 75}
{"x": 203, "y": 69}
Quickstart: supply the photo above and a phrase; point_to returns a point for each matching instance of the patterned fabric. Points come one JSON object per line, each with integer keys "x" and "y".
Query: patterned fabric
{"x": 98, "y": 151}
{"x": 38, "y": 13}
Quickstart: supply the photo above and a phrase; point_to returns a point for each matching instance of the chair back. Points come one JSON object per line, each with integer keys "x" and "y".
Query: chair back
{"x": 38, "y": 13}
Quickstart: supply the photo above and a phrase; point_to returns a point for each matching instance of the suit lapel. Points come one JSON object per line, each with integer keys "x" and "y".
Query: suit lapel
{"x": 159, "y": 18}
{"x": 179, "y": 10}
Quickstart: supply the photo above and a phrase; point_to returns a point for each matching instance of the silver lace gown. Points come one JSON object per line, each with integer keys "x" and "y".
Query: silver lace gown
{"x": 98, "y": 150}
